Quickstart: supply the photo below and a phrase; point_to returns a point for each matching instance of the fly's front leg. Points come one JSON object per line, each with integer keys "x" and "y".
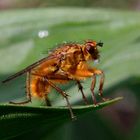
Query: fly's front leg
{"x": 27, "y": 92}
{"x": 101, "y": 85}
{"x": 101, "y": 73}
{"x": 93, "y": 83}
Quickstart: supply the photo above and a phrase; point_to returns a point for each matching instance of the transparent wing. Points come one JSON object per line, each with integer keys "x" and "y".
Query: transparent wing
{"x": 27, "y": 69}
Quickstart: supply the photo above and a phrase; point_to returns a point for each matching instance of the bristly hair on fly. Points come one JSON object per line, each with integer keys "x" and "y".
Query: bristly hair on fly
{"x": 59, "y": 45}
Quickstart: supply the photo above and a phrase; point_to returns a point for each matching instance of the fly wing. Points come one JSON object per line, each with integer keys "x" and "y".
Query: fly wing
{"x": 27, "y": 69}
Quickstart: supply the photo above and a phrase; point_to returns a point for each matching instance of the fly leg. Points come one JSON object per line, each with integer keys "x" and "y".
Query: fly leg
{"x": 64, "y": 95}
{"x": 81, "y": 89}
{"x": 89, "y": 73}
{"x": 27, "y": 92}
{"x": 93, "y": 83}
{"x": 48, "y": 103}
{"x": 101, "y": 73}
{"x": 101, "y": 86}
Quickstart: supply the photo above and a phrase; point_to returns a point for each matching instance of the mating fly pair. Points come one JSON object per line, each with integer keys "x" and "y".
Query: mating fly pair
{"x": 65, "y": 63}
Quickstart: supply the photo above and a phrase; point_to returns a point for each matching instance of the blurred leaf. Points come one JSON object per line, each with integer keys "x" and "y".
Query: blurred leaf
{"x": 16, "y": 120}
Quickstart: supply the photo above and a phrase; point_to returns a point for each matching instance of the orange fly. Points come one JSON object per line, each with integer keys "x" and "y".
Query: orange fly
{"x": 65, "y": 63}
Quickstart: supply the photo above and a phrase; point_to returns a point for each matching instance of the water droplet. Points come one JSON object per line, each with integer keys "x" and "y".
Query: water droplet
{"x": 43, "y": 33}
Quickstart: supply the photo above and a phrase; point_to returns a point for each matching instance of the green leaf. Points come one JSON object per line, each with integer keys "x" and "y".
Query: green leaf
{"x": 16, "y": 120}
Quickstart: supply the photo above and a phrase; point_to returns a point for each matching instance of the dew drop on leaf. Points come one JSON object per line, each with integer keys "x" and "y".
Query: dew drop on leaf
{"x": 43, "y": 33}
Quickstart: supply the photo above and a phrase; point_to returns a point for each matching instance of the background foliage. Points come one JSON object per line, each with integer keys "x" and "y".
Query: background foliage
{"x": 121, "y": 4}
{"x": 21, "y": 46}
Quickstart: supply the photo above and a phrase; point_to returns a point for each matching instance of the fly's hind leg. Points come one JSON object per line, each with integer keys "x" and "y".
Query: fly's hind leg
{"x": 27, "y": 92}
{"x": 47, "y": 101}
{"x": 64, "y": 95}
{"x": 81, "y": 89}
{"x": 58, "y": 77}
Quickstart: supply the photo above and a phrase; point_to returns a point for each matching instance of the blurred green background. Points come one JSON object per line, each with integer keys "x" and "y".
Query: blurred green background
{"x": 116, "y": 23}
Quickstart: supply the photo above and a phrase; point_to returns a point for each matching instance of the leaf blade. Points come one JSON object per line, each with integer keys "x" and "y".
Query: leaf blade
{"x": 11, "y": 109}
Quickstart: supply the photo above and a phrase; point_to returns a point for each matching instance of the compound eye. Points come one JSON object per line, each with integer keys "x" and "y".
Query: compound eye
{"x": 90, "y": 49}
